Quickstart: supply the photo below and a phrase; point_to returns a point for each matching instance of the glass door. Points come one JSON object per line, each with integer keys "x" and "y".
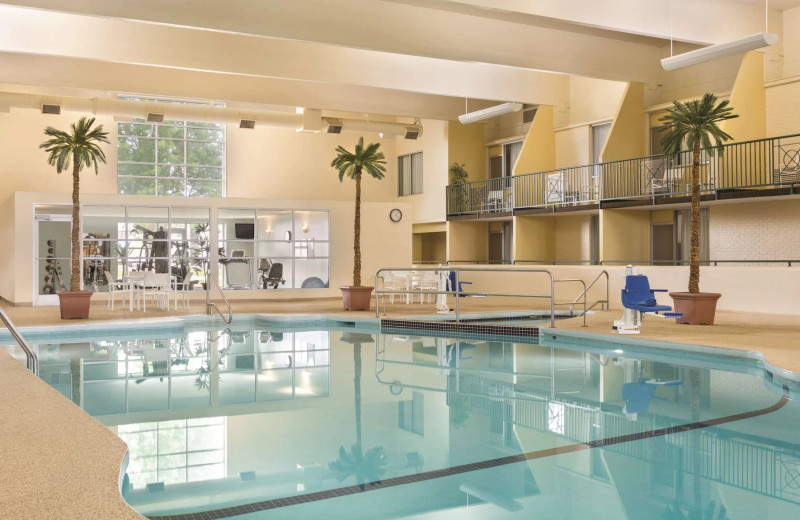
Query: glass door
{"x": 52, "y": 230}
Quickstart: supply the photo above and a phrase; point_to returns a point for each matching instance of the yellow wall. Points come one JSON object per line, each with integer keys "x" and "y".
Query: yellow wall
{"x": 534, "y": 238}
{"x": 465, "y": 146}
{"x": 590, "y": 100}
{"x": 467, "y": 240}
{"x": 433, "y": 247}
{"x": 416, "y": 247}
{"x": 626, "y": 139}
{"x": 624, "y": 235}
{"x": 748, "y": 99}
{"x": 573, "y": 237}
{"x": 573, "y": 146}
{"x": 7, "y": 259}
{"x": 539, "y": 148}
{"x": 432, "y": 227}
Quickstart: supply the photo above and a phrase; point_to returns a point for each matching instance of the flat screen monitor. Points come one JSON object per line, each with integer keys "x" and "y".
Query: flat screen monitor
{"x": 246, "y": 231}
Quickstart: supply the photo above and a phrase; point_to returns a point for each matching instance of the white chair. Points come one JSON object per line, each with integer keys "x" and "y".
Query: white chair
{"x": 157, "y": 285}
{"x": 395, "y": 282}
{"x": 133, "y": 283}
{"x": 114, "y": 288}
{"x": 428, "y": 281}
{"x": 182, "y": 288}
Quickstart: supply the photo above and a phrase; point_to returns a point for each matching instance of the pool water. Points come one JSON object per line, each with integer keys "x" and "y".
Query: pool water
{"x": 266, "y": 422}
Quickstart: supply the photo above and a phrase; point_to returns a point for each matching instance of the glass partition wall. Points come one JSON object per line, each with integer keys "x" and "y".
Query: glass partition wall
{"x": 254, "y": 248}
{"x": 273, "y": 249}
{"x": 121, "y": 239}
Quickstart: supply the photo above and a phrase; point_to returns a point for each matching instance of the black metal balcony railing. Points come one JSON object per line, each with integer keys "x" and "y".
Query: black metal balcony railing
{"x": 758, "y": 164}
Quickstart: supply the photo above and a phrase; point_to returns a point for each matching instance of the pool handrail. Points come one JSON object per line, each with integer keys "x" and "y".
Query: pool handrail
{"x": 212, "y": 307}
{"x": 32, "y": 360}
{"x": 457, "y": 293}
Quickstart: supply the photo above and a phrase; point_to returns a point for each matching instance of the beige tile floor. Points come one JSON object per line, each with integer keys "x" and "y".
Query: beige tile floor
{"x": 57, "y": 462}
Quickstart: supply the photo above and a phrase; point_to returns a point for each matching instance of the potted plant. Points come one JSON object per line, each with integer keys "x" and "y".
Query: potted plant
{"x": 458, "y": 177}
{"x": 696, "y": 123}
{"x": 363, "y": 159}
{"x": 79, "y": 148}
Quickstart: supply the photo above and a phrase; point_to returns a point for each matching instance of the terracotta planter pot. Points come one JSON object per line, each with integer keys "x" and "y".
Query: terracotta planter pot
{"x": 74, "y": 304}
{"x": 356, "y": 298}
{"x": 697, "y": 308}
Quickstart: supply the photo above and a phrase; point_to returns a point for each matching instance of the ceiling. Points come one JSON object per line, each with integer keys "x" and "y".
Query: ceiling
{"x": 409, "y": 58}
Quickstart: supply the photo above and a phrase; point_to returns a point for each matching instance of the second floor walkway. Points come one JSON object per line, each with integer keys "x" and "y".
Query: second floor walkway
{"x": 764, "y": 167}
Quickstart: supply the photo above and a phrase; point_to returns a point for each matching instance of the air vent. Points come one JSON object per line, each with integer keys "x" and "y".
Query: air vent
{"x": 412, "y": 132}
{"x": 51, "y": 109}
{"x": 528, "y": 113}
{"x": 155, "y": 117}
{"x": 334, "y": 126}
{"x": 247, "y": 123}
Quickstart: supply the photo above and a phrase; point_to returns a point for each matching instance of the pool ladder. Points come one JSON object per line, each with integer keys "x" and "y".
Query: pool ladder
{"x": 32, "y": 360}
{"x": 211, "y": 307}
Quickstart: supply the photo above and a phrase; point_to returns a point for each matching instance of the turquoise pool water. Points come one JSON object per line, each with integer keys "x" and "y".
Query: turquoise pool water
{"x": 264, "y": 421}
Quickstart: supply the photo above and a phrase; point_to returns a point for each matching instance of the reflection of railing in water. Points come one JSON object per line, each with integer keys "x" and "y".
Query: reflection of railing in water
{"x": 211, "y": 306}
{"x": 734, "y": 461}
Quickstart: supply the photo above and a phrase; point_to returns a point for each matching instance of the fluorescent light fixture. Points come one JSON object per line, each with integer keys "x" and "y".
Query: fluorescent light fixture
{"x": 299, "y": 110}
{"x": 720, "y": 50}
{"x": 486, "y": 113}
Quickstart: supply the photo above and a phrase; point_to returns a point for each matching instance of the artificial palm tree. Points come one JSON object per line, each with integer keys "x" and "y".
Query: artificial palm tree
{"x": 78, "y": 148}
{"x": 353, "y": 164}
{"x": 696, "y": 124}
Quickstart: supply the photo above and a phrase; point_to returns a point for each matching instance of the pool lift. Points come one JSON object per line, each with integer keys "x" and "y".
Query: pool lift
{"x": 442, "y": 287}
{"x": 633, "y": 314}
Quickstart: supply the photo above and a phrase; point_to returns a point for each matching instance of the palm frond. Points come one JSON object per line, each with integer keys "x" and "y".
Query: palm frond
{"x": 363, "y": 158}
{"x": 79, "y": 147}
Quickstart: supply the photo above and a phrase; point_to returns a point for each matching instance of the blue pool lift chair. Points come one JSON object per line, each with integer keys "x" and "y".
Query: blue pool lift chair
{"x": 639, "y": 299}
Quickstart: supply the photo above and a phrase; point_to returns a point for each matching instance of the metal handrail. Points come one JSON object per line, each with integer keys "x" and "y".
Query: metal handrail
{"x": 211, "y": 306}
{"x": 456, "y": 292}
{"x": 705, "y": 263}
{"x": 32, "y": 360}
{"x": 603, "y": 303}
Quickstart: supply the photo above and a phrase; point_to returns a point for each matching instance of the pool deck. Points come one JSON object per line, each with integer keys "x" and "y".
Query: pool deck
{"x": 58, "y": 462}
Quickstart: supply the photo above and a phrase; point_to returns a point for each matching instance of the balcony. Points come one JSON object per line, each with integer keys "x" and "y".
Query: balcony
{"x": 764, "y": 167}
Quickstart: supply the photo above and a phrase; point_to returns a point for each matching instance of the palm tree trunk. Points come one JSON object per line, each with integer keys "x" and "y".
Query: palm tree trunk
{"x": 357, "y": 389}
{"x": 75, "y": 261}
{"x": 694, "y": 252}
{"x": 357, "y": 233}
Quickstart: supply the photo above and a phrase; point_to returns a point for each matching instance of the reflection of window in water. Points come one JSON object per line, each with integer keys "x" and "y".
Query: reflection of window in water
{"x": 172, "y": 452}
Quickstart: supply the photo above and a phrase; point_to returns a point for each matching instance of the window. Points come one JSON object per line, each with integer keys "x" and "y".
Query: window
{"x": 171, "y": 158}
{"x": 409, "y": 174}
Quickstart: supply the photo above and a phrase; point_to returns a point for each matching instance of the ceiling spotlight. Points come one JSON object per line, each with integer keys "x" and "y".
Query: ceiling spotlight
{"x": 51, "y": 109}
{"x": 380, "y": 134}
{"x": 247, "y": 123}
{"x": 299, "y": 110}
{"x": 720, "y": 50}
{"x": 155, "y": 117}
{"x": 486, "y": 113}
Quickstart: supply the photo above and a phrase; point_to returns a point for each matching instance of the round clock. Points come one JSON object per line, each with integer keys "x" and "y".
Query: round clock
{"x": 395, "y": 215}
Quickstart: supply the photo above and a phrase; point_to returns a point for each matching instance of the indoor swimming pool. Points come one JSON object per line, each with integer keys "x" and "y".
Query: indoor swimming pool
{"x": 343, "y": 420}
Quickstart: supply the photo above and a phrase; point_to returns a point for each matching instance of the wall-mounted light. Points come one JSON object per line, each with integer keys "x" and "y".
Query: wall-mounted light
{"x": 305, "y": 228}
{"x": 380, "y": 134}
{"x": 288, "y": 236}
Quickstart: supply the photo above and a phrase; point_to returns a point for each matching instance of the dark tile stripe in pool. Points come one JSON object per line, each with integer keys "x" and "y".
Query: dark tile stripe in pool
{"x": 228, "y": 512}
{"x": 463, "y": 326}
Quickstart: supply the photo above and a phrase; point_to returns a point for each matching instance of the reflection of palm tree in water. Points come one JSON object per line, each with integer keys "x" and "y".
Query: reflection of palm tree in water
{"x": 366, "y": 467}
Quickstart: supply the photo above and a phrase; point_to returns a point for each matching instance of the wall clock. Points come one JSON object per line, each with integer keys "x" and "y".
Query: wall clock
{"x": 395, "y": 215}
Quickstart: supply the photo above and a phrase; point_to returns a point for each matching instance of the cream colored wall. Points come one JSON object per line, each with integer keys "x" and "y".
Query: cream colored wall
{"x": 690, "y": 82}
{"x": 748, "y": 99}
{"x": 791, "y": 42}
{"x": 383, "y": 242}
{"x": 783, "y": 110}
{"x": 624, "y": 234}
{"x": 573, "y": 236}
{"x": 573, "y": 146}
{"x": 508, "y": 127}
{"x": 534, "y": 238}
{"x": 467, "y": 240}
{"x": 278, "y": 163}
{"x": 416, "y": 247}
{"x": 430, "y": 205}
{"x": 433, "y": 247}
{"x": 539, "y": 148}
{"x": 626, "y": 138}
{"x": 261, "y": 163}
{"x": 755, "y": 231}
{"x": 24, "y": 166}
{"x": 465, "y": 146}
